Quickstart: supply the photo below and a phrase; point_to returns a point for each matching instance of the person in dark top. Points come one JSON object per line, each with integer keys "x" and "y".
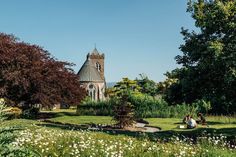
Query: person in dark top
{"x": 201, "y": 119}
{"x": 186, "y": 118}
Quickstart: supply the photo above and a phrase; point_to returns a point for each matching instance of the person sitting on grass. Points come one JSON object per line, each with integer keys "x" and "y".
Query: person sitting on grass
{"x": 186, "y": 119}
{"x": 191, "y": 123}
{"x": 201, "y": 119}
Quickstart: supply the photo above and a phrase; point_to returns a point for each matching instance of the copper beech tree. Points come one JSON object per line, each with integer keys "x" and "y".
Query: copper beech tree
{"x": 29, "y": 76}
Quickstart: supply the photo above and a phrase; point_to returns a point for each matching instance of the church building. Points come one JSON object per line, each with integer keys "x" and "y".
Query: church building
{"x": 91, "y": 75}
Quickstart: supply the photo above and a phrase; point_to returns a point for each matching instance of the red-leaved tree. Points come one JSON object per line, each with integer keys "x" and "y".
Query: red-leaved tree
{"x": 29, "y": 75}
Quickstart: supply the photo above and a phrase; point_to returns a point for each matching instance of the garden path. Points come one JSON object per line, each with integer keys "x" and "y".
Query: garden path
{"x": 147, "y": 128}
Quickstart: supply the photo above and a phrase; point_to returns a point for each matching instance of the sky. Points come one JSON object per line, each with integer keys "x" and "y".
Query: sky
{"x": 136, "y": 36}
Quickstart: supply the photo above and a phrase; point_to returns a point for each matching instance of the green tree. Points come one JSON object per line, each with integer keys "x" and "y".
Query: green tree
{"x": 124, "y": 110}
{"x": 147, "y": 86}
{"x": 164, "y": 86}
{"x": 209, "y": 56}
{"x": 126, "y": 85}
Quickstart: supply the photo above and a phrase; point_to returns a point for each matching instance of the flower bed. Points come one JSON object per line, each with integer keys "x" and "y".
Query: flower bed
{"x": 54, "y": 142}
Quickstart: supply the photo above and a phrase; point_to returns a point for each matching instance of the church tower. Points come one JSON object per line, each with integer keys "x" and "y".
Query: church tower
{"x": 98, "y": 61}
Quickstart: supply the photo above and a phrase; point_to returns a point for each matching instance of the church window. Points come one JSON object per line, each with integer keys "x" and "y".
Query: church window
{"x": 92, "y": 92}
{"x": 98, "y": 67}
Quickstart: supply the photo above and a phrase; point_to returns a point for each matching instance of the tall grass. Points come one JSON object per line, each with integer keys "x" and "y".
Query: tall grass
{"x": 144, "y": 107}
{"x": 100, "y": 108}
{"x": 223, "y": 119}
{"x": 149, "y": 107}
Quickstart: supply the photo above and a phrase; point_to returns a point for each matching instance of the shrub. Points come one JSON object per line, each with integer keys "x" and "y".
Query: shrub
{"x": 124, "y": 112}
{"x": 2, "y": 108}
{"x": 30, "y": 113}
{"x": 7, "y": 137}
{"x": 13, "y": 112}
{"x": 100, "y": 108}
{"x": 145, "y": 106}
{"x": 203, "y": 106}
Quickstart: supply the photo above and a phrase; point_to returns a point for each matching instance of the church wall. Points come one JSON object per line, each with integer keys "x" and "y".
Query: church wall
{"x": 99, "y": 89}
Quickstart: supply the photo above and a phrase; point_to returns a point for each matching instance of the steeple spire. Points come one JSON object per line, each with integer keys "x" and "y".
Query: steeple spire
{"x": 95, "y": 51}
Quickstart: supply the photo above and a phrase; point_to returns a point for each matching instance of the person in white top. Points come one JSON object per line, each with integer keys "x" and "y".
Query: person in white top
{"x": 191, "y": 123}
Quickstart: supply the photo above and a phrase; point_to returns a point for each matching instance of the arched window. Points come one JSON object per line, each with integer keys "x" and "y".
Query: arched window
{"x": 92, "y": 91}
{"x": 98, "y": 66}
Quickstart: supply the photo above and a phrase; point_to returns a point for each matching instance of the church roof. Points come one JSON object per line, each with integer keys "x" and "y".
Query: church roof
{"x": 88, "y": 72}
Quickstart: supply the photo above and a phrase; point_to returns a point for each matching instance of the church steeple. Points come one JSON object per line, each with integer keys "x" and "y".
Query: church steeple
{"x": 98, "y": 61}
{"x": 95, "y": 51}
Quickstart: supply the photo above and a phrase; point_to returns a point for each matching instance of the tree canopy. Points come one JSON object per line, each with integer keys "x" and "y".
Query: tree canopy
{"x": 126, "y": 85}
{"x": 147, "y": 86}
{"x": 29, "y": 75}
{"x": 209, "y": 56}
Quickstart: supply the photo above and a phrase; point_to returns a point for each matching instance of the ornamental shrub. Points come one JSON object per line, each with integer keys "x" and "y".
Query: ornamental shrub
{"x": 13, "y": 112}
{"x": 2, "y": 108}
{"x": 30, "y": 113}
{"x": 124, "y": 111}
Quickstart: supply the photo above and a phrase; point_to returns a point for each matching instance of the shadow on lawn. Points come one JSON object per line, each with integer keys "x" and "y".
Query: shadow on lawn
{"x": 136, "y": 134}
{"x": 48, "y": 115}
{"x": 160, "y": 136}
{"x": 215, "y": 123}
{"x": 211, "y": 123}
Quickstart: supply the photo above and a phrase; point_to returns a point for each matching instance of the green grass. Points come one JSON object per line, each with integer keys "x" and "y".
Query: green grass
{"x": 164, "y": 123}
{"x": 57, "y": 139}
{"x": 19, "y": 123}
{"x": 51, "y": 142}
{"x": 59, "y": 111}
{"x": 219, "y": 123}
{"x": 222, "y": 119}
{"x": 216, "y": 124}
{"x": 173, "y": 123}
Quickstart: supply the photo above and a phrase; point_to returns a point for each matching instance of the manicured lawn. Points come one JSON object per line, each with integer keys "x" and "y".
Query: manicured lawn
{"x": 216, "y": 124}
{"x": 164, "y": 123}
{"x": 173, "y": 123}
{"x": 219, "y": 123}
